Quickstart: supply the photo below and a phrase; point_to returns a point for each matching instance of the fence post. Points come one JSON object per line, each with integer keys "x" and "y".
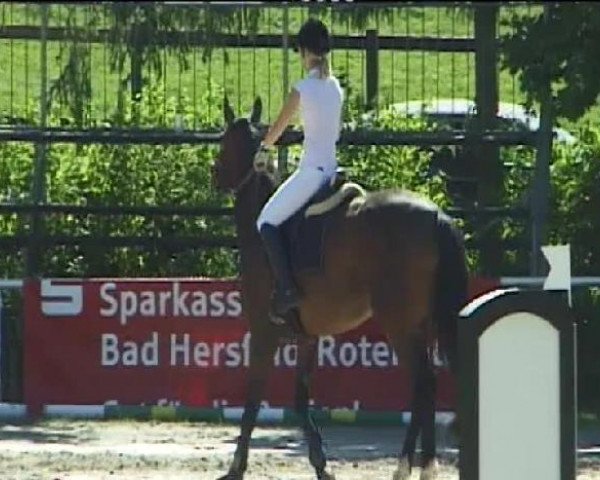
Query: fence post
{"x": 372, "y": 68}
{"x": 540, "y": 197}
{"x": 541, "y": 184}
{"x": 39, "y": 173}
{"x": 487, "y": 163}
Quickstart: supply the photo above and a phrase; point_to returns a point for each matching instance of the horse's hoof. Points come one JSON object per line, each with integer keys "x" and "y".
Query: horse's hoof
{"x": 232, "y": 476}
{"x": 430, "y": 471}
{"x": 326, "y": 476}
{"x": 403, "y": 470}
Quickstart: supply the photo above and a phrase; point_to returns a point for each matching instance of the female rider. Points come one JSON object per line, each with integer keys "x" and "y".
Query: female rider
{"x": 319, "y": 98}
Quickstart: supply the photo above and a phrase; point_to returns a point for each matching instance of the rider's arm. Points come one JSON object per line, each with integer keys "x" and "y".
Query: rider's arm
{"x": 284, "y": 118}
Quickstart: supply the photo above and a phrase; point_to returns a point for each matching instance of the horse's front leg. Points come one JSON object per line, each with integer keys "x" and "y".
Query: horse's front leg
{"x": 262, "y": 349}
{"x": 307, "y": 352}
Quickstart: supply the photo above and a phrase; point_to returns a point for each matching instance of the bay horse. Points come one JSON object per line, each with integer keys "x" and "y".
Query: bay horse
{"x": 391, "y": 255}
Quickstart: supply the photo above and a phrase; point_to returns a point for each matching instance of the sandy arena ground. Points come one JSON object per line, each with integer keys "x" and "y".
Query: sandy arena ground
{"x": 77, "y": 450}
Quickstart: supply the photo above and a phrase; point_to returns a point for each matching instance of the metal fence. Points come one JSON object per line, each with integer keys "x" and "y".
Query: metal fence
{"x": 424, "y": 51}
{"x": 69, "y": 69}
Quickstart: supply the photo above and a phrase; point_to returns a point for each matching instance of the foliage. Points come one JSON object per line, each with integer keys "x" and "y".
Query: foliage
{"x": 73, "y": 87}
{"x": 560, "y": 47}
{"x": 123, "y": 175}
{"x": 574, "y": 220}
{"x": 134, "y": 23}
{"x": 139, "y": 35}
{"x": 365, "y": 16}
{"x": 383, "y": 167}
{"x": 575, "y": 200}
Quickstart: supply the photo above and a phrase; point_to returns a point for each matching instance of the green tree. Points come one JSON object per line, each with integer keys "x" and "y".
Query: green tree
{"x": 139, "y": 35}
{"x": 560, "y": 45}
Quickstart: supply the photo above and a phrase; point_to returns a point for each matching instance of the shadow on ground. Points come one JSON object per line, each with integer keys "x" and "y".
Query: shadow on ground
{"x": 348, "y": 443}
{"x": 66, "y": 433}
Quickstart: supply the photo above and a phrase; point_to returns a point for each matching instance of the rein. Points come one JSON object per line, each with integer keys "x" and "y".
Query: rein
{"x": 251, "y": 172}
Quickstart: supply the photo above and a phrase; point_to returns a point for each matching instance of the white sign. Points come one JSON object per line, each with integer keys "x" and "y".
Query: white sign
{"x": 559, "y": 278}
{"x": 61, "y": 300}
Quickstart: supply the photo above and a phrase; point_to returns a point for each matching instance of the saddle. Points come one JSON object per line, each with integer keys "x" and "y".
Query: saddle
{"x": 305, "y": 231}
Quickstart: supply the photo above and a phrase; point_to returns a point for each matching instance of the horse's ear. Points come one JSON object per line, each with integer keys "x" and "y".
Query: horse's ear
{"x": 228, "y": 111}
{"x": 256, "y": 111}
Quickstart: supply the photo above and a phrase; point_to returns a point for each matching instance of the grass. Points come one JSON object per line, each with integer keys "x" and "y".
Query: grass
{"x": 403, "y": 75}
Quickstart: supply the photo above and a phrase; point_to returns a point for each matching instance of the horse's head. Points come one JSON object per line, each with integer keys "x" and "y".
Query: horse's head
{"x": 234, "y": 166}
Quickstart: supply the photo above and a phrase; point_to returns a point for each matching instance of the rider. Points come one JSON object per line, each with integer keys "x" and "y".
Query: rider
{"x": 319, "y": 98}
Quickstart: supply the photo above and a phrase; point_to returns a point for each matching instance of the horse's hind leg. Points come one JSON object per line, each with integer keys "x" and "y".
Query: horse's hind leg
{"x": 406, "y": 460}
{"x": 403, "y": 309}
{"x": 422, "y": 415}
{"x": 262, "y": 349}
{"x": 425, "y": 385}
{"x": 307, "y": 351}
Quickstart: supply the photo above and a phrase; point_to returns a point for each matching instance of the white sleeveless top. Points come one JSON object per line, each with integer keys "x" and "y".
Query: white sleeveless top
{"x": 320, "y": 109}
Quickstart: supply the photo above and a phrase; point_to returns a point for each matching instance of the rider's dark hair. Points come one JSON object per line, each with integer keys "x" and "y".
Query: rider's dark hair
{"x": 314, "y": 37}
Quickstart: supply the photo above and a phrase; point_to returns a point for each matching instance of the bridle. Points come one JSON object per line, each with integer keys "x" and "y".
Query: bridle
{"x": 249, "y": 175}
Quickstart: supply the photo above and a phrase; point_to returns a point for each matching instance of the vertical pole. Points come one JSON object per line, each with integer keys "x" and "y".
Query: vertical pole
{"x": 286, "y": 49}
{"x": 372, "y": 68}
{"x": 136, "y": 53}
{"x": 39, "y": 173}
{"x": 541, "y": 181}
{"x": 485, "y": 158}
{"x": 283, "y": 152}
{"x": 541, "y": 184}
{"x": 486, "y": 94}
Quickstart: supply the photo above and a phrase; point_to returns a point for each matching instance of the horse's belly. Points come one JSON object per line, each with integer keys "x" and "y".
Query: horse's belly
{"x": 329, "y": 315}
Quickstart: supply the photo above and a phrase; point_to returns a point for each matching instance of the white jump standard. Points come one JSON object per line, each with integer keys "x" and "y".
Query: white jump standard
{"x": 517, "y": 395}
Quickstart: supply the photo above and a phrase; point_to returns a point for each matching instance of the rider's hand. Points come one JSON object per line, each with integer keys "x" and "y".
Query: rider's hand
{"x": 262, "y": 157}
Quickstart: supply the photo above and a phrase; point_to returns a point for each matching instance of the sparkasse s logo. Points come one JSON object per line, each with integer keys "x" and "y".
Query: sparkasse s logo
{"x": 59, "y": 300}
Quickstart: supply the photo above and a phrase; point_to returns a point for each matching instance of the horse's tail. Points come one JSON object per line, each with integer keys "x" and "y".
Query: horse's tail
{"x": 451, "y": 288}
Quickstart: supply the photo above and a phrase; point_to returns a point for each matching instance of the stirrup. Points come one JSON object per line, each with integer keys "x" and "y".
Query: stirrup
{"x": 286, "y": 300}
{"x": 290, "y": 322}
{"x": 276, "y": 319}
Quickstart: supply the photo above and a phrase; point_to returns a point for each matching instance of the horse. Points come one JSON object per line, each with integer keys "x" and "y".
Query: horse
{"x": 391, "y": 255}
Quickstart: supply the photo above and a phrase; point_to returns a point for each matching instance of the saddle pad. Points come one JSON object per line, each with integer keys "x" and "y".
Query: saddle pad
{"x": 305, "y": 236}
{"x": 306, "y": 232}
{"x": 307, "y": 246}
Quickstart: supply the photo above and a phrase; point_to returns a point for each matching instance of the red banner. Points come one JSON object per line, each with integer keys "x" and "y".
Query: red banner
{"x": 184, "y": 341}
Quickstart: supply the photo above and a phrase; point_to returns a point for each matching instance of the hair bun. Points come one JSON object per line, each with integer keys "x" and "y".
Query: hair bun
{"x": 314, "y": 37}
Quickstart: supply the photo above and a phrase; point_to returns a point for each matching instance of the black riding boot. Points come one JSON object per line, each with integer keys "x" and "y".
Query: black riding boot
{"x": 286, "y": 295}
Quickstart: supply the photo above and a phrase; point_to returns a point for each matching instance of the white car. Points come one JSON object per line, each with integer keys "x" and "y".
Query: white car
{"x": 455, "y": 111}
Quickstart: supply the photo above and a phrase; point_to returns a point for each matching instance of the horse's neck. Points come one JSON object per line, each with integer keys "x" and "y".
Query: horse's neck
{"x": 248, "y": 204}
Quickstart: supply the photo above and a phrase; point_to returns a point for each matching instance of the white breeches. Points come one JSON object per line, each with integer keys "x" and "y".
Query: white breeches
{"x": 292, "y": 195}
